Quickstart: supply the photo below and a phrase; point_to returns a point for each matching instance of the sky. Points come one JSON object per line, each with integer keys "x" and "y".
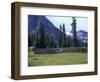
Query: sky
{"x": 82, "y": 22}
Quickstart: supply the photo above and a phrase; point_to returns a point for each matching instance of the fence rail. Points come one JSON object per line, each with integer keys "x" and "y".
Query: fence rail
{"x": 59, "y": 50}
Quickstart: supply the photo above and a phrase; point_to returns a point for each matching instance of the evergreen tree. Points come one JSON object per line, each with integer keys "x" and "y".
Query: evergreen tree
{"x": 29, "y": 41}
{"x": 75, "y": 41}
{"x": 68, "y": 43}
{"x": 64, "y": 37}
{"x": 40, "y": 37}
{"x": 60, "y": 37}
{"x": 44, "y": 40}
{"x": 48, "y": 40}
{"x": 53, "y": 42}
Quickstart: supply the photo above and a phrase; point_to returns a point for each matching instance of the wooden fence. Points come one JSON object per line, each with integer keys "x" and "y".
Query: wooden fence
{"x": 60, "y": 50}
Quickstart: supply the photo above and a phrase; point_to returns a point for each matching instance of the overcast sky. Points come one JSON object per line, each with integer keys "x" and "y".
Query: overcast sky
{"x": 82, "y": 22}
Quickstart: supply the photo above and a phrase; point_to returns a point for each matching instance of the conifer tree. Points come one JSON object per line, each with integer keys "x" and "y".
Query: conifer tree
{"x": 75, "y": 41}
{"x": 40, "y": 37}
{"x": 64, "y": 37}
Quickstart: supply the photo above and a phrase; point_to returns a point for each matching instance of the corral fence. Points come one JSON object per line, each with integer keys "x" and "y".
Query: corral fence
{"x": 60, "y": 50}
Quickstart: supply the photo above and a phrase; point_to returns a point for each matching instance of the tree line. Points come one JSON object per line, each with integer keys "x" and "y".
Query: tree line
{"x": 41, "y": 39}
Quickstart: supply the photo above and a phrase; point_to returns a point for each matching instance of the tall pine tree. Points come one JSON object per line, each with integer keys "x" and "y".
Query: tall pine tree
{"x": 40, "y": 37}
{"x": 64, "y": 36}
{"x": 75, "y": 40}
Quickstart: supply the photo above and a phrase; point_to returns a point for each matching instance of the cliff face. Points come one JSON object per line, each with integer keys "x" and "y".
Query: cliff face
{"x": 33, "y": 22}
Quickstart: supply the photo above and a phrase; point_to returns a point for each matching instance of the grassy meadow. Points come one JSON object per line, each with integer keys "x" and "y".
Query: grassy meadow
{"x": 56, "y": 59}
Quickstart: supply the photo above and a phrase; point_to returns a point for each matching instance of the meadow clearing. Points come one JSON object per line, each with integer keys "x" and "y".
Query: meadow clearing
{"x": 64, "y": 58}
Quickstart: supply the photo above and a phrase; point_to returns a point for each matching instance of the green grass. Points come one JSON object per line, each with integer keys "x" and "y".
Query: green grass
{"x": 56, "y": 59}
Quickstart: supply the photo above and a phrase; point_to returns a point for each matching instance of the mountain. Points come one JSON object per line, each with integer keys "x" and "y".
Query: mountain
{"x": 82, "y": 36}
{"x": 33, "y": 23}
{"x": 50, "y": 28}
